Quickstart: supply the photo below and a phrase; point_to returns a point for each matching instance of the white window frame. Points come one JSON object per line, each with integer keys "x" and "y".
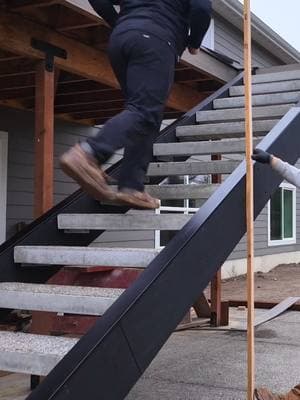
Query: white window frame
{"x": 186, "y": 209}
{"x": 288, "y": 241}
{"x": 209, "y": 38}
{"x": 3, "y": 184}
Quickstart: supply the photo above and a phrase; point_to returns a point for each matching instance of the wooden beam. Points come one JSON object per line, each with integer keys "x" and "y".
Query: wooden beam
{"x": 68, "y": 77}
{"x": 17, "y": 67}
{"x": 17, "y": 82}
{"x": 16, "y": 34}
{"x": 97, "y": 114}
{"x": 77, "y": 26}
{"x": 16, "y": 104}
{"x": 101, "y": 121}
{"x": 83, "y": 8}
{"x": 44, "y": 140}
{"x": 8, "y": 56}
{"x": 84, "y": 86}
{"x": 69, "y": 19}
{"x": 23, "y": 93}
{"x": 64, "y": 87}
{"x": 112, "y": 95}
{"x": 12, "y": 104}
{"x": 108, "y": 113}
{"x": 21, "y": 5}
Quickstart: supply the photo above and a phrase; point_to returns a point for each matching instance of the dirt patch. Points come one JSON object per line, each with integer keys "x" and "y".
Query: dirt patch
{"x": 274, "y": 286}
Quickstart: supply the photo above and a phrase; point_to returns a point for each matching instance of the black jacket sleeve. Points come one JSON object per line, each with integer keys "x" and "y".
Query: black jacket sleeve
{"x": 106, "y": 10}
{"x": 200, "y": 17}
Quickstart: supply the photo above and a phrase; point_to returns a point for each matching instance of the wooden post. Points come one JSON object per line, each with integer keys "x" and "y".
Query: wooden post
{"x": 249, "y": 198}
{"x": 216, "y": 284}
{"x": 216, "y": 300}
{"x": 44, "y": 138}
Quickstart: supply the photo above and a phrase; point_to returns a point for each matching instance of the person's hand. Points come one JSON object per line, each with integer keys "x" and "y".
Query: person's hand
{"x": 194, "y": 51}
{"x": 261, "y": 156}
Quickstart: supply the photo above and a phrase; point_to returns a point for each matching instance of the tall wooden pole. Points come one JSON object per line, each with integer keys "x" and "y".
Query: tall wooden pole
{"x": 249, "y": 198}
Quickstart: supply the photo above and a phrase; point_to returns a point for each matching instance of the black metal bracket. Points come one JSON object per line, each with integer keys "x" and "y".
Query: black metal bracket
{"x": 50, "y": 51}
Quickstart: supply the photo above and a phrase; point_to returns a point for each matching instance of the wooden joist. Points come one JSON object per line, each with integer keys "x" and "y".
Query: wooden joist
{"x": 17, "y": 67}
{"x": 20, "y": 5}
{"x": 64, "y": 87}
{"x": 69, "y": 20}
{"x": 74, "y": 108}
{"x": 16, "y": 34}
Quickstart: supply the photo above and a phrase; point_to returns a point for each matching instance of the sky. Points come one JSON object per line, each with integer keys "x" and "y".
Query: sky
{"x": 282, "y": 16}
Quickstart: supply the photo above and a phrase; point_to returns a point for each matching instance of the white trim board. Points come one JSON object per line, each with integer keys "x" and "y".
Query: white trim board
{"x": 3, "y": 184}
{"x": 233, "y": 268}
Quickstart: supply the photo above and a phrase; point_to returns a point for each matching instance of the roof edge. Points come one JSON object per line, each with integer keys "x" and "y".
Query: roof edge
{"x": 233, "y": 11}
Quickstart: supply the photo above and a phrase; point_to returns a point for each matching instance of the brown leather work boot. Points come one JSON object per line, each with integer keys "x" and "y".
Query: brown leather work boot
{"x": 265, "y": 394}
{"x": 135, "y": 199}
{"x": 84, "y": 169}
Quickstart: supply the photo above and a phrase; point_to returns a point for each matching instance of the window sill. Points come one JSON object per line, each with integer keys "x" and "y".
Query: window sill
{"x": 285, "y": 242}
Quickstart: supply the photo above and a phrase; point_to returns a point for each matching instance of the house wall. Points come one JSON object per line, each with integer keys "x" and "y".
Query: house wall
{"x": 20, "y": 174}
{"x": 261, "y": 246}
{"x": 229, "y": 41}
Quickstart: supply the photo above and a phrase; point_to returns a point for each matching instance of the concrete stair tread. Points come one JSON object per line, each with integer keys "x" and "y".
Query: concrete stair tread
{"x": 89, "y": 256}
{"x": 263, "y": 76}
{"x": 225, "y": 146}
{"x": 32, "y": 354}
{"x": 83, "y": 291}
{"x": 192, "y": 168}
{"x": 238, "y": 114}
{"x": 181, "y": 191}
{"x": 223, "y": 130}
{"x": 57, "y": 298}
{"x": 258, "y": 100}
{"x": 269, "y": 87}
{"x": 177, "y": 191}
{"x": 141, "y": 221}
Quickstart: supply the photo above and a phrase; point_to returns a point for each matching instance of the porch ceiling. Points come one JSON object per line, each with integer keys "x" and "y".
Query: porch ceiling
{"x": 83, "y": 94}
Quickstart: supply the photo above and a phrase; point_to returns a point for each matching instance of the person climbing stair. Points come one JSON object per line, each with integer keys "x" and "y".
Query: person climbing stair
{"x": 148, "y": 38}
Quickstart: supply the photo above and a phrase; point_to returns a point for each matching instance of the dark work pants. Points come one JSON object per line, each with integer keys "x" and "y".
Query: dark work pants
{"x": 144, "y": 66}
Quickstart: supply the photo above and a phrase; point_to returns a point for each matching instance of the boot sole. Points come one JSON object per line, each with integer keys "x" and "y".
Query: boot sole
{"x": 135, "y": 203}
{"x": 91, "y": 188}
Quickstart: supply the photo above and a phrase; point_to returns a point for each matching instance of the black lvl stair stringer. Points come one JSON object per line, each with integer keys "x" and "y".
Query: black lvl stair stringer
{"x": 111, "y": 357}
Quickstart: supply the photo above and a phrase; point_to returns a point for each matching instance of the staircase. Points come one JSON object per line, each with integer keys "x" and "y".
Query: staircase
{"x": 114, "y": 354}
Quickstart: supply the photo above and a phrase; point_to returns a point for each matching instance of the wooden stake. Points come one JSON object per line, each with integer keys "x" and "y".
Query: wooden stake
{"x": 249, "y": 197}
{"x": 44, "y": 137}
{"x": 216, "y": 300}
